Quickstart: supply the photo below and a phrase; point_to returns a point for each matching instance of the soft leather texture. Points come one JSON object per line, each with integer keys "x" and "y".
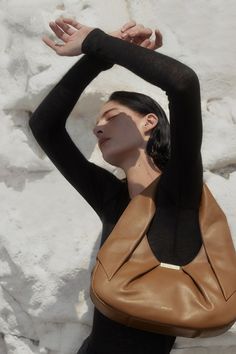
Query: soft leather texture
{"x": 131, "y": 286}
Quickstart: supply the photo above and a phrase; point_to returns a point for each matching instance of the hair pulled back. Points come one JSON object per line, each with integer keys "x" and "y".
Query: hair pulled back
{"x": 158, "y": 145}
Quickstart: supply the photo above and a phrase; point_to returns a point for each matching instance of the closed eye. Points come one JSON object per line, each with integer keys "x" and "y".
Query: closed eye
{"x": 108, "y": 119}
{"x": 112, "y": 116}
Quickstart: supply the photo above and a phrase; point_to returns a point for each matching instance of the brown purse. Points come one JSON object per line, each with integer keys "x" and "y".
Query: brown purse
{"x": 131, "y": 286}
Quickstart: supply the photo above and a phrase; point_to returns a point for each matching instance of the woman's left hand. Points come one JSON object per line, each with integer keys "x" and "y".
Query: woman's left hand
{"x": 71, "y": 32}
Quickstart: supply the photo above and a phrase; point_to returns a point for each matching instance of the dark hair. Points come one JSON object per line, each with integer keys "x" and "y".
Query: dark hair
{"x": 158, "y": 145}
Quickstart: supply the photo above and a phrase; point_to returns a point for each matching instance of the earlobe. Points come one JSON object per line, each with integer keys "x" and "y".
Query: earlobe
{"x": 151, "y": 120}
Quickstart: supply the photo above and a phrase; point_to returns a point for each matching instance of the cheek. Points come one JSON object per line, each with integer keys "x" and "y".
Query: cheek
{"x": 123, "y": 143}
{"x": 124, "y": 135}
{"x": 125, "y": 129}
{"x": 131, "y": 137}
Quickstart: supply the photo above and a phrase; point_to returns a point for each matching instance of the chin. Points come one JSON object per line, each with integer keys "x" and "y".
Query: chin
{"x": 112, "y": 160}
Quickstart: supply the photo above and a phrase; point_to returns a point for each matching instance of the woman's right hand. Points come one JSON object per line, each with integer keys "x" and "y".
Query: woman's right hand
{"x": 138, "y": 34}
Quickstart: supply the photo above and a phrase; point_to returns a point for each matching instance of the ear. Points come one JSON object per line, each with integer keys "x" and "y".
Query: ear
{"x": 150, "y": 121}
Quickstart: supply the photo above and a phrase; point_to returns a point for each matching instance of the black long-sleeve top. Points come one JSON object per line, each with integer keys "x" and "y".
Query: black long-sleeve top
{"x": 174, "y": 234}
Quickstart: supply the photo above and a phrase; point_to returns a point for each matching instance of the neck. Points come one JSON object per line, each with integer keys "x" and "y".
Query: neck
{"x": 140, "y": 173}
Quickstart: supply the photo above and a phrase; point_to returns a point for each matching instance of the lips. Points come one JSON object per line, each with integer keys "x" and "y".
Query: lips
{"x": 102, "y": 140}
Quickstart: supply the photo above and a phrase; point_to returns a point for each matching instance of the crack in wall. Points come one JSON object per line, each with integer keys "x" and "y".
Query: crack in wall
{"x": 16, "y": 306}
{"x": 224, "y": 171}
{"x": 16, "y": 177}
{"x": 17, "y": 302}
{"x": 34, "y": 341}
{"x": 2, "y": 344}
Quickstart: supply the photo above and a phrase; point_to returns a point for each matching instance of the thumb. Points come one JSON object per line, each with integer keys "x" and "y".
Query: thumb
{"x": 159, "y": 38}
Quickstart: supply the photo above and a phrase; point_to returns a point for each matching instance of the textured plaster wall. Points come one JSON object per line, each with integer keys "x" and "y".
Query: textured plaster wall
{"x": 49, "y": 235}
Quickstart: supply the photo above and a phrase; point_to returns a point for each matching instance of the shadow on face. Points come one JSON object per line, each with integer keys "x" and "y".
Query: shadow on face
{"x": 124, "y": 130}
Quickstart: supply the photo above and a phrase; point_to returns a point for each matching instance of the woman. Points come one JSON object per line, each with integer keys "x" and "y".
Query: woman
{"x": 133, "y": 134}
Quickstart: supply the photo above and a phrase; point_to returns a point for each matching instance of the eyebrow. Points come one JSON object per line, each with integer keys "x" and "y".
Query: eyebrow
{"x": 111, "y": 109}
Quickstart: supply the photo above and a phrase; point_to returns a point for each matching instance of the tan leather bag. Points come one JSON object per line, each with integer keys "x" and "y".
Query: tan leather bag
{"x": 131, "y": 286}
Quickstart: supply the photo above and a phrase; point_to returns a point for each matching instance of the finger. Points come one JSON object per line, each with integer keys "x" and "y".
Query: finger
{"x": 58, "y": 32}
{"x": 145, "y": 43}
{"x": 72, "y": 22}
{"x": 158, "y": 39}
{"x": 64, "y": 26}
{"x": 56, "y": 47}
{"x": 135, "y": 28}
{"x": 153, "y": 45}
{"x": 157, "y": 43}
{"x": 128, "y": 25}
{"x": 140, "y": 36}
{"x": 139, "y": 31}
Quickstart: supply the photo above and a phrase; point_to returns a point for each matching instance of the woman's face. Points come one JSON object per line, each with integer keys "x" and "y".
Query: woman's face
{"x": 124, "y": 130}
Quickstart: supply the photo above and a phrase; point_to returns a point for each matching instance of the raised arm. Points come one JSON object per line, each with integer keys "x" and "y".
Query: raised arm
{"x": 48, "y": 127}
{"x": 181, "y": 182}
{"x": 48, "y": 121}
{"x": 182, "y": 178}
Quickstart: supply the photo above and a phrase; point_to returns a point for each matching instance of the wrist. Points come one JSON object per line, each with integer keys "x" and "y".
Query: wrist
{"x": 89, "y": 44}
{"x": 92, "y": 37}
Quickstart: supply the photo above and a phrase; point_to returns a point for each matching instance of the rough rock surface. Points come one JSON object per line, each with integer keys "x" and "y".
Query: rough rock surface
{"x": 49, "y": 235}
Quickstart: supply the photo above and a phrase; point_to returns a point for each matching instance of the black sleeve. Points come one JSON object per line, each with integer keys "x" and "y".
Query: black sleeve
{"x": 47, "y": 124}
{"x": 181, "y": 181}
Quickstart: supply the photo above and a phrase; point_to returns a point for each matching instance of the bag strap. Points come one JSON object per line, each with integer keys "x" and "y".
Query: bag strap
{"x": 127, "y": 234}
{"x": 218, "y": 242}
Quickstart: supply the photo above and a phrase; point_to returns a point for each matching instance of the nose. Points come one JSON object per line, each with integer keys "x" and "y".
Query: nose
{"x": 98, "y": 130}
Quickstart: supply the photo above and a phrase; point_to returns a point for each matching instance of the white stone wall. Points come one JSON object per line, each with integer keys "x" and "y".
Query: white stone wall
{"x": 49, "y": 235}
